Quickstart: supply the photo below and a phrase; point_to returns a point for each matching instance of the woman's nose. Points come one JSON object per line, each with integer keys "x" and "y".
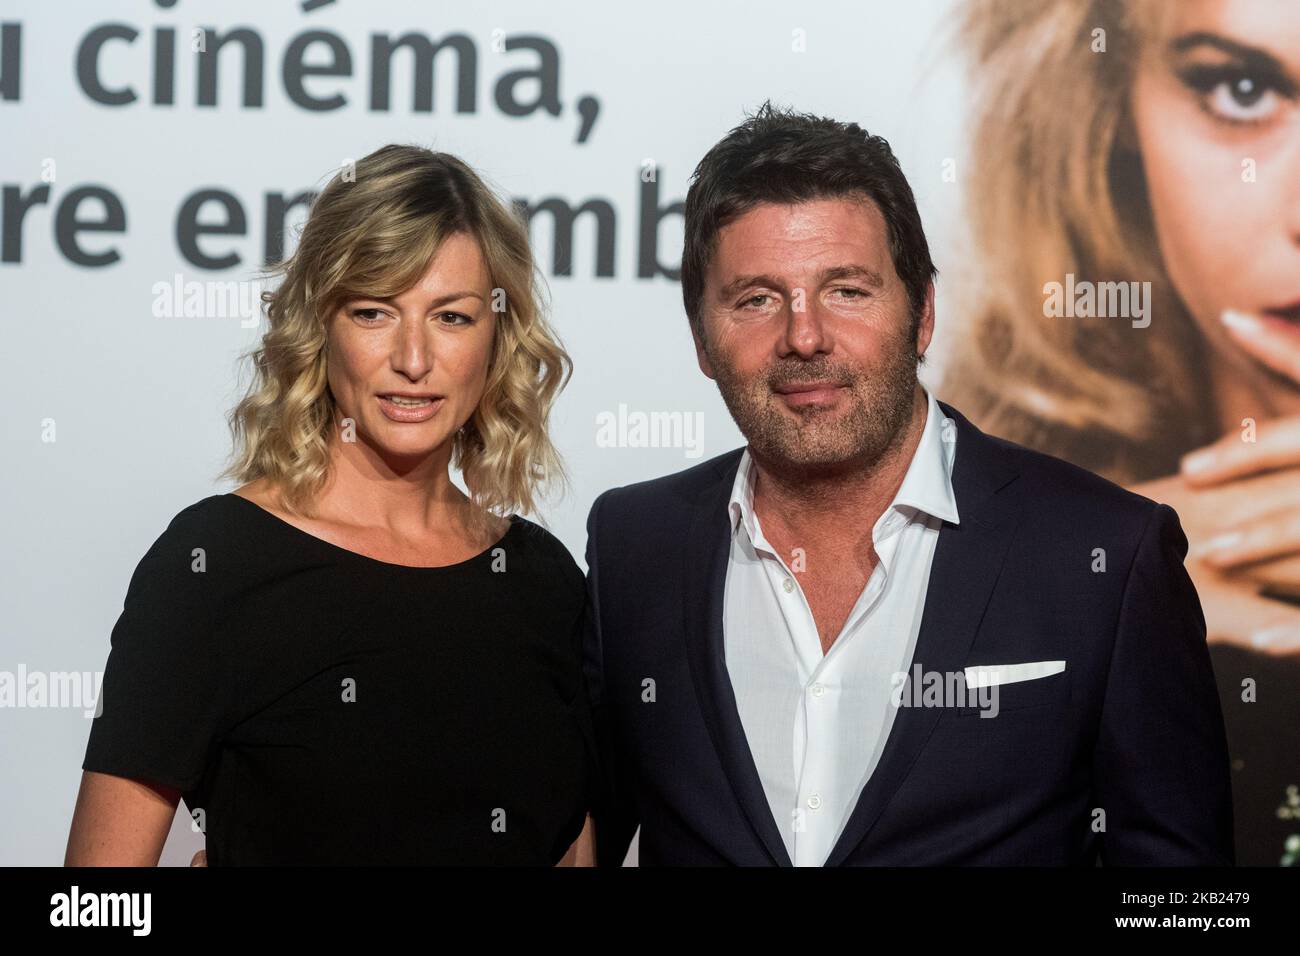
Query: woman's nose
{"x": 413, "y": 350}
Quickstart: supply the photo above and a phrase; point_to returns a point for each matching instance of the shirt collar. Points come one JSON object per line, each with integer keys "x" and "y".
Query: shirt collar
{"x": 926, "y": 487}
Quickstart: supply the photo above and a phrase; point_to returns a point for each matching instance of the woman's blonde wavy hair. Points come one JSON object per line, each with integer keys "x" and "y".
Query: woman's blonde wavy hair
{"x": 1057, "y": 188}
{"x": 373, "y": 231}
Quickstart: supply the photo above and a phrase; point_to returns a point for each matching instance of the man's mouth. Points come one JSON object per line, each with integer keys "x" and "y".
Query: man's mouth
{"x": 792, "y": 388}
{"x": 810, "y": 394}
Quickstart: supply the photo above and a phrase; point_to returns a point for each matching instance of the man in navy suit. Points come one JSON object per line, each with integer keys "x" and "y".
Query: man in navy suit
{"x": 876, "y": 635}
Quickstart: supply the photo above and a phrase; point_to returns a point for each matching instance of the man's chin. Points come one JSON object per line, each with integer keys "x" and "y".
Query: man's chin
{"x": 802, "y": 459}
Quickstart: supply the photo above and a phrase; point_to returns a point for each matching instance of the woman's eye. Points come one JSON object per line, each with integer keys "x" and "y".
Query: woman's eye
{"x": 368, "y": 315}
{"x": 456, "y": 318}
{"x": 1235, "y": 95}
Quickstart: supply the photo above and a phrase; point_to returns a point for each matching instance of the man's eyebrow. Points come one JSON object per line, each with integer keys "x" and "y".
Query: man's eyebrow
{"x": 869, "y": 276}
{"x": 1251, "y": 55}
{"x": 744, "y": 282}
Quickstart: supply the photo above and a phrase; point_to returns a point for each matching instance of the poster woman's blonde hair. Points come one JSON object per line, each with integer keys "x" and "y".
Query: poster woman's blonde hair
{"x": 1056, "y": 187}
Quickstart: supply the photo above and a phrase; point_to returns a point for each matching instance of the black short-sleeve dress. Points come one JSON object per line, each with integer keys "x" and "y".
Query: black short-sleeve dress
{"x": 317, "y": 706}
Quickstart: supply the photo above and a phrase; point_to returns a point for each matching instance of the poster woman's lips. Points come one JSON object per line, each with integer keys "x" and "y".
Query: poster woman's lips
{"x": 1289, "y": 312}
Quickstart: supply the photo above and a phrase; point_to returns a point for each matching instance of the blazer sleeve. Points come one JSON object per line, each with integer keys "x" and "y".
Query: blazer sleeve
{"x": 616, "y": 818}
{"x": 1161, "y": 757}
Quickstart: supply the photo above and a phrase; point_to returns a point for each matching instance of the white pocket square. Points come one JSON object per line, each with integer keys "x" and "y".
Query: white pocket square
{"x": 989, "y": 675}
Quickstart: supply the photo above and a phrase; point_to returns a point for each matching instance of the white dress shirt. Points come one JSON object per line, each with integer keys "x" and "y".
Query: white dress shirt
{"x": 816, "y": 724}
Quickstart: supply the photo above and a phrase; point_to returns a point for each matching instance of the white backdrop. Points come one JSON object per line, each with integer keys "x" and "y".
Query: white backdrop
{"x": 114, "y": 416}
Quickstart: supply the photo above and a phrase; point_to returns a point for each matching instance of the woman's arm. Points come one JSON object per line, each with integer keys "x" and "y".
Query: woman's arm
{"x": 120, "y": 822}
{"x": 583, "y": 851}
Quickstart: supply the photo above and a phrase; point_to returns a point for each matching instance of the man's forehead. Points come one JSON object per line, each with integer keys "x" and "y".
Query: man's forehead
{"x": 794, "y": 215}
{"x": 830, "y": 238}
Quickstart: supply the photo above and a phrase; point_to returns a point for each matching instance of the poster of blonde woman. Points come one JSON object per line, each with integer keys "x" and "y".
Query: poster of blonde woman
{"x": 1135, "y": 308}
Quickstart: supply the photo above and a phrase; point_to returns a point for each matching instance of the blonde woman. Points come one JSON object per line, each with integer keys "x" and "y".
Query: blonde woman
{"x": 348, "y": 659}
{"x": 1157, "y": 143}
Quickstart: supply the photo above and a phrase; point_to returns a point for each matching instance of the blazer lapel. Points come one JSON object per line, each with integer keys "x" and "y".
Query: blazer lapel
{"x": 967, "y": 559}
{"x": 708, "y": 543}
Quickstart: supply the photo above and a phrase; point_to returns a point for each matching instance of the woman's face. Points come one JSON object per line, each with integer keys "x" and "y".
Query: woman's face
{"x": 1216, "y": 110}
{"x": 432, "y": 343}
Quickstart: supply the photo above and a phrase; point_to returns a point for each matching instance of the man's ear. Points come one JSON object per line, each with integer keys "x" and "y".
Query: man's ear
{"x": 925, "y": 327}
{"x": 701, "y": 356}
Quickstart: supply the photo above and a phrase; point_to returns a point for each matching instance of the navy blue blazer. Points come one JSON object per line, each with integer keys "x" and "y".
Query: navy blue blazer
{"x": 1120, "y": 759}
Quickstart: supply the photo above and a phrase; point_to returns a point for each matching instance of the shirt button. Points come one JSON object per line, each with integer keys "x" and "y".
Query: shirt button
{"x": 815, "y": 802}
{"x": 788, "y": 584}
{"x": 818, "y": 690}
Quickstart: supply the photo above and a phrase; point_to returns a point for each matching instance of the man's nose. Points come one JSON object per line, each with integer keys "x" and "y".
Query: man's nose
{"x": 805, "y": 329}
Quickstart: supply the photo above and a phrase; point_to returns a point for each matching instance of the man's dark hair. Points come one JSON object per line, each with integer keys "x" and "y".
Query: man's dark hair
{"x": 780, "y": 156}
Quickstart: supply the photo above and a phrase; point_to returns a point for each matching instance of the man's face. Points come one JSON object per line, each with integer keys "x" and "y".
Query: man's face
{"x": 808, "y": 331}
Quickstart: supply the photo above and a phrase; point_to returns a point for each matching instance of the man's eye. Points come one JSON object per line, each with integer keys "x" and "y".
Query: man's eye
{"x": 852, "y": 293}
{"x": 1236, "y": 95}
{"x": 754, "y": 299}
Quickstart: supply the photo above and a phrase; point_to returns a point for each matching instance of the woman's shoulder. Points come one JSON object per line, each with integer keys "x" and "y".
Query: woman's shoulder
{"x": 220, "y": 539}
{"x": 183, "y": 574}
{"x": 204, "y": 519}
{"x": 550, "y": 551}
{"x": 217, "y": 519}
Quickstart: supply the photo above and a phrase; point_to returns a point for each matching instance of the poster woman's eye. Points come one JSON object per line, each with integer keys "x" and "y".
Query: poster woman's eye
{"x": 1232, "y": 94}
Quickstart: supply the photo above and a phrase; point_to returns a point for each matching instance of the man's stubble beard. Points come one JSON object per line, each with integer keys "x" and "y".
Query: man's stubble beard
{"x": 815, "y": 442}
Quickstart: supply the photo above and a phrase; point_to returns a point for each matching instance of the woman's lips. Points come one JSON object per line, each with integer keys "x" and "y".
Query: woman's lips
{"x": 409, "y": 413}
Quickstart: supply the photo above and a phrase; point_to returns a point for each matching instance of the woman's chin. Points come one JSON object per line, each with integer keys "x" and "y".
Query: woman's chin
{"x": 406, "y": 443}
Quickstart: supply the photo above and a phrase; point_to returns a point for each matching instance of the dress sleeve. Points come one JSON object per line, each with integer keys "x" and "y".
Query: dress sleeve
{"x": 574, "y": 587}
{"x": 164, "y": 700}
{"x": 581, "y": 708}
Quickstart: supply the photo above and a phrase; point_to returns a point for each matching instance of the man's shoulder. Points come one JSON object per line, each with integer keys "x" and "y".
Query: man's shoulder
{"x": 1055, "y": 484}
{"x": 671, "y": 492}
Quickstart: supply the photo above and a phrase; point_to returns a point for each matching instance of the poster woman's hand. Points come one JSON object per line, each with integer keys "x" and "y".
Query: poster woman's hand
{"x": 1239, "y": 502}
{"x": 1264, "y": 543}
{"x": 1236, "y": 612}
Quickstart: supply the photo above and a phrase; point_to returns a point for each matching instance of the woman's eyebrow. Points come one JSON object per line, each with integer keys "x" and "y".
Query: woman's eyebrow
{"x": 433, "y": 303}
{"x": 453, "y": 296}
{"x": 1252, "y": 55}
